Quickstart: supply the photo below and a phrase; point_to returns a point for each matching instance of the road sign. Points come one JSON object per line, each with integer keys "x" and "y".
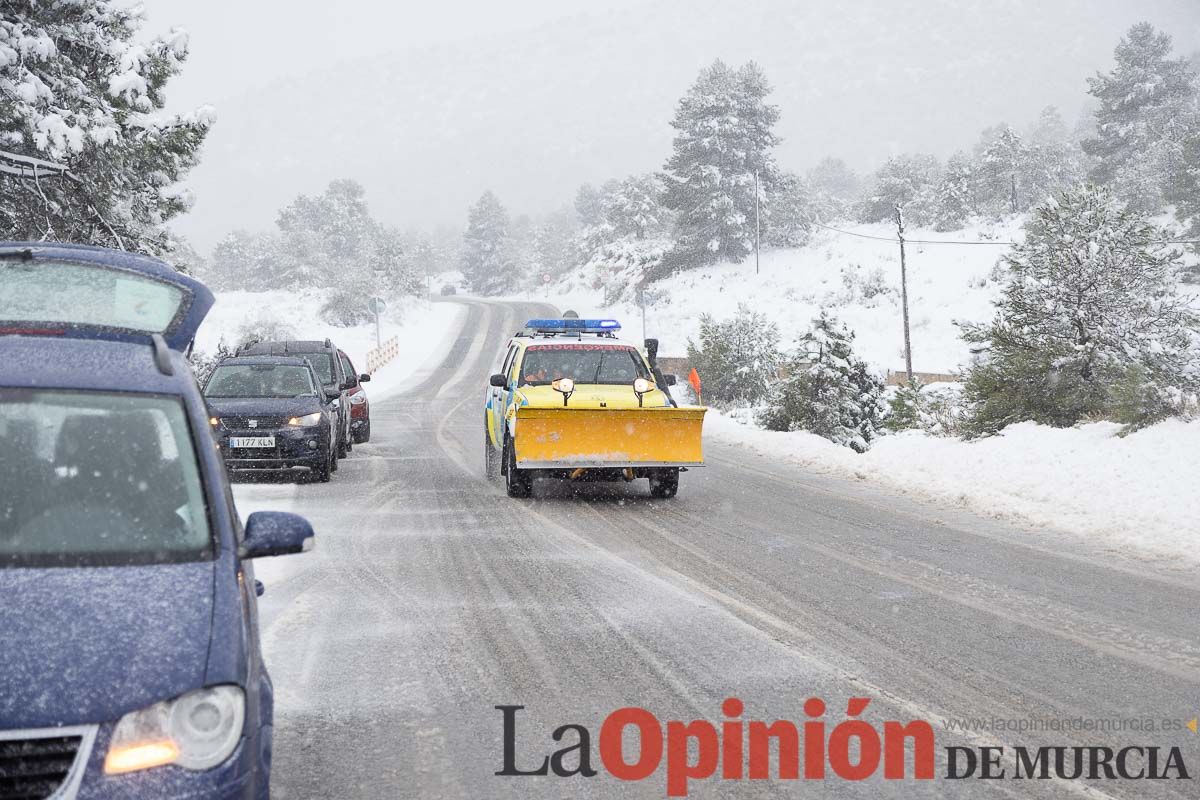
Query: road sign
{"x": 546, "y": 277}
{"x": 376, "y": 306}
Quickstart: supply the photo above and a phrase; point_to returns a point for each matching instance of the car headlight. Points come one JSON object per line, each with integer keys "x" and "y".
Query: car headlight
{"x": 307, "y": 421}
{"x": 196, "y": 731}
{"x": 358, "y": 399}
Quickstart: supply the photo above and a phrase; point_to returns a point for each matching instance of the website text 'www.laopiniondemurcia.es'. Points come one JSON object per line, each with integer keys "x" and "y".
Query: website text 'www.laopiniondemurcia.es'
{"x": 815, "y": 748}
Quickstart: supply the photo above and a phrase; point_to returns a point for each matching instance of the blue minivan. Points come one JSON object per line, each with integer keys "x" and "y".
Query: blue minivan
{"x": 130, "y": 664}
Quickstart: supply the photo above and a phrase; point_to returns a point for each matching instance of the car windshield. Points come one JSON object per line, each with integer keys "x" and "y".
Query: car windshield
{"x": 322, "y": 364}
{"x": 95, "y": 478}
{"x": 87, "y": 295}
{"x": 259, "y": 380}
{"x": 583, "y": 363}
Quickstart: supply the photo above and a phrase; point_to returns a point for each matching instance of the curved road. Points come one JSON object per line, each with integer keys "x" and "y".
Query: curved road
{"x": 432, "y": 597}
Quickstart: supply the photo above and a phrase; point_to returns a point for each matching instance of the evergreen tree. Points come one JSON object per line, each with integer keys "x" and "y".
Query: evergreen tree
{"x": 1090, "y": 306}
{"x": 484, "y": 247}
{"x": 737, "y": 359}
{"x": 1002, "y": 164}
{"x": 634, "y": 207}
{"x": 724, "y": 134}
{"x": 81, "y": 87}
{"x": 793, "y": 211}
{"x": 828, "y": 390}
{"x": 1146, "y": 114}
{"x": 954, "y": 199}
{"x": 908, "y": 181}
{"x": 835, "y": 187}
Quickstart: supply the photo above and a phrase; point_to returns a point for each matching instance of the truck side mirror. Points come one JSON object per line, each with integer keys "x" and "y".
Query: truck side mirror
{"x": 652, "y": 350}
{"x": 498, "y": 380}
{"x": 671, "y": 379}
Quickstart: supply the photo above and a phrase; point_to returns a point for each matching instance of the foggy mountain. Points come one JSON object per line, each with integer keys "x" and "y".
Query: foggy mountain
{"x": 532, "y": 115}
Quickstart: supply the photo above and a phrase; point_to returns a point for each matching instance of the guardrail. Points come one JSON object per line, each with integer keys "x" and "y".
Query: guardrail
{"x": 378, "y": 356}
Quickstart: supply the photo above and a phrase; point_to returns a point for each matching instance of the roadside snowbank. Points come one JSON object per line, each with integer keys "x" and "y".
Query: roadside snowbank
{"x": 1137, "y": 491}
{"x": 419, "y": 325}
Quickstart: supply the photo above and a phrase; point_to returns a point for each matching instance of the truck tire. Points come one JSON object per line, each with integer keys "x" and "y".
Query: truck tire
{"x": 518, "y": 482}
{"x": 491, "y": 463}
{"x": 665, "y": 483}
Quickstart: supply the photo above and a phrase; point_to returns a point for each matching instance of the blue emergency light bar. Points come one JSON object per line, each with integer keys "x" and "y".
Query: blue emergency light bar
{"x": 573, "y": 325}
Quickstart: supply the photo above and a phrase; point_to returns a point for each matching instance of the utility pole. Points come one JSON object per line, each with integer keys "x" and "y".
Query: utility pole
{"x": 757, "y": 224}
{"x": 642, "y": 303}
{"x": 904, "y": 294}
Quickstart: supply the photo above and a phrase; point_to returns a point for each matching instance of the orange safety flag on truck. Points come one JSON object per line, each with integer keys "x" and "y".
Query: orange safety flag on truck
{"x": 694, "y": 381}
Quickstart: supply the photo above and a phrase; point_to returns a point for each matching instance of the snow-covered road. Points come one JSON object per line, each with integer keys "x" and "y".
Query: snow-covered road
{"x": 432, "y": 598}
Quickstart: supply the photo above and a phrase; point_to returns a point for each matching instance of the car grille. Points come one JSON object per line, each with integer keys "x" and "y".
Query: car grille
{"x": 37, "y": 764}
{"x": 262, "y": 423}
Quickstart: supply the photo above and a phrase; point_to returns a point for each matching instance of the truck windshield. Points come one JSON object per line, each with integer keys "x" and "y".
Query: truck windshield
{"x": 582, "y": 363}
{"x": 97, "y": 478}
{"x": 259, "y": 380}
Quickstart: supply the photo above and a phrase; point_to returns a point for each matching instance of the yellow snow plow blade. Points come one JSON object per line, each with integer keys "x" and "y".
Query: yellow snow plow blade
{"x": 565, "y": 438}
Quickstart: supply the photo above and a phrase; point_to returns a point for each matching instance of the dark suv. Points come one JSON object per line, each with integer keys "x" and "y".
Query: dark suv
{"x": 325, "y": 362}
{"x": 270, "y": 413}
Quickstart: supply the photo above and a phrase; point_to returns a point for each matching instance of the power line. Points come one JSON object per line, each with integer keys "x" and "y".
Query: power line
{"x": 893, "y": 240}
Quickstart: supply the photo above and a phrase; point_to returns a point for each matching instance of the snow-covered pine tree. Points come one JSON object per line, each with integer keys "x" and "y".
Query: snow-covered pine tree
{"x": 1147, "y": 112}
{"x": 635, "y": 207}
{"x": 1000, "y": 187}
{"x": 724, "y": 133}
{"x": 908, "y": 181}
{"x": 1089, "y": 318}
{"x": 484, "y": 247}
{"x": 835, "y": 188}
{"x": 793, "y": 211}
{"x": 554, "y": 250}
{"x": 79, "y": 86}
{"x": 828, "y": 390}
{"x": 737, "y": 359}
{"x": 954, "y": 198}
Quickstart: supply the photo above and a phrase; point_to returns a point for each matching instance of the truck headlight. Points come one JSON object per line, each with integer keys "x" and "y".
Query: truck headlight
{"x": 307, "y": 421}
{"x": 197, "y": 731}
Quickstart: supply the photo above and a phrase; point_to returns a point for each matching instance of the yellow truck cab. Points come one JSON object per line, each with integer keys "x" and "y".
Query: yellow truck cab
{"x": 570, "y": 400}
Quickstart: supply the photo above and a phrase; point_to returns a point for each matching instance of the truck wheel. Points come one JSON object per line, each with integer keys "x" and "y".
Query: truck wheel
{"x": 665, "y": 483}
{"x": 491, "y": 464}
{"x": 518, "y": 482}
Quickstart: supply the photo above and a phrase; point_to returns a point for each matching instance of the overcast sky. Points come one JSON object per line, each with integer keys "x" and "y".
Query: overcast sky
{"x": 428, "y": 104}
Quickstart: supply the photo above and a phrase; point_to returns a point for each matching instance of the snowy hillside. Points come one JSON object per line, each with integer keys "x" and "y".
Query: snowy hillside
{"x": 856, "y": 277}
{"x": 419, "y": 325}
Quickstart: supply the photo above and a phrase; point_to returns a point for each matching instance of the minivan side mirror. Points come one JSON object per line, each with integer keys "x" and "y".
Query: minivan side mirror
{"x": 276, "y": 533}
{"x": 498, "y": 380}
{"x": 366, "y": 376}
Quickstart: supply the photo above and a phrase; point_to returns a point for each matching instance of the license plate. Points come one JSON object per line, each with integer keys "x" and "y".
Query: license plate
{"x": 251, "y": 441}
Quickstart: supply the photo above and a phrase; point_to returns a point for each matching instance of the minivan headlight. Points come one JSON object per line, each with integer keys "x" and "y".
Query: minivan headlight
{"x": 307, "y": 421}
{"x": 196, "y": 731}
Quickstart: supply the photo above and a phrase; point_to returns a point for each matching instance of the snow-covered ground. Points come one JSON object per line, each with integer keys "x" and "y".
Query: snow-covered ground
{"x": 420, "y": 328}
{"x": 838, "y": 271}
{"x": 1134, "y": 491}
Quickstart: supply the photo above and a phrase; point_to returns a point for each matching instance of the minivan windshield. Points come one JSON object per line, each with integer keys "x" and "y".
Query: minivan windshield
{"x": 98, "y": 478}
{"x": 260, "y": 380}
